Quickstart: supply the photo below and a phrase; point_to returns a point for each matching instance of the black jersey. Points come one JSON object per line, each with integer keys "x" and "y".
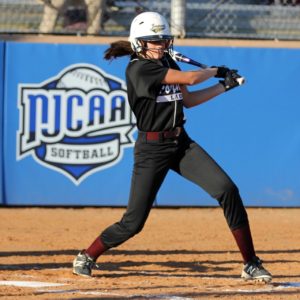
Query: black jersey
{"x": 157, "y": 106}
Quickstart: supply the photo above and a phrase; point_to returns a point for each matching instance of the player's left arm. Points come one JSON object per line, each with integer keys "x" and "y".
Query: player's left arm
{"x": 229, "y": 82}
{"x": 198, "y": 97}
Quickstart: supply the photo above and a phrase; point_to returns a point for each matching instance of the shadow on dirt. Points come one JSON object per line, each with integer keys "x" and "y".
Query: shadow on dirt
{"x": 191, "y": 295}
{"x": 139, "y": 252}
{"x": 130, "y": 266}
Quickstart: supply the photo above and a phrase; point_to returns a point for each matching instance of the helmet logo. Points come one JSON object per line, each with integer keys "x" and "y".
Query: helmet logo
{"x": 157, "y": 28}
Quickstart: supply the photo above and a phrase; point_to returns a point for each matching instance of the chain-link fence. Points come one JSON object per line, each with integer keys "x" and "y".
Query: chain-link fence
{"x": 277, "y": 19}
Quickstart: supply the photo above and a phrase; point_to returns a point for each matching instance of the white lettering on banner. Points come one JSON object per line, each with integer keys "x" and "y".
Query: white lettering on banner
{"x": 76, "y": 123}
{"x": 82, "y": 154}
{"x": 79, "y": 113}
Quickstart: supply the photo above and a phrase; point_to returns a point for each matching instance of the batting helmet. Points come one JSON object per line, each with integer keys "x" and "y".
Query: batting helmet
{"x": 148, "y": 26}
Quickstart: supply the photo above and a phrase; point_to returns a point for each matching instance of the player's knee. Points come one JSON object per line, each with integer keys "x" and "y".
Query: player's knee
{"x": 227, "y": 189}
{"x": 133, "y": 228}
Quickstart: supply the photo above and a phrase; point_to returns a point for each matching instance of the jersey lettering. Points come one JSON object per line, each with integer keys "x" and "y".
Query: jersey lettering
{"x": 169, "y": 93}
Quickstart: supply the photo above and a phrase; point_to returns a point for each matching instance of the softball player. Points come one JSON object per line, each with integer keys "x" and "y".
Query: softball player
{"x": 157, "y": 93}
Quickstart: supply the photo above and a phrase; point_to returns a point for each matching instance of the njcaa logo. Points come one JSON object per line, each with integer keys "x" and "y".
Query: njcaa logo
{"x": 76, "y": 123}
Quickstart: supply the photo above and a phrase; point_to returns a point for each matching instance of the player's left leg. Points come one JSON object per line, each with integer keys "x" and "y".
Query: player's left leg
{"x": 195, "y": 164}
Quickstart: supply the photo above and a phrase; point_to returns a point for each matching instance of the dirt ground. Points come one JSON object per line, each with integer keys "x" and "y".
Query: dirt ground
{"x": 185, "y": 253}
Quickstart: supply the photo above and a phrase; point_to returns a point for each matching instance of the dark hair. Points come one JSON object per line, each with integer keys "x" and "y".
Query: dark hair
{"x": 118, "y": 49}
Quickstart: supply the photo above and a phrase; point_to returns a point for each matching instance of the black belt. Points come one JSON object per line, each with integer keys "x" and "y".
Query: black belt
{"x": 161, "y": 135}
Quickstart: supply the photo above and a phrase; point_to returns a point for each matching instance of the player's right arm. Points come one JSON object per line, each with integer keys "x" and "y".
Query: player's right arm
{"x": 188, "y": 77}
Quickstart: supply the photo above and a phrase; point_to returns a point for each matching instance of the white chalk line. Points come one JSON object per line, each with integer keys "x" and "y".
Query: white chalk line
{"x": 269, "y": 289}
{"x": 95, "y": 293}
{"x": 79, "y": 292}
{"x": 31, "y": 284}
{"x": 39, "y": 284}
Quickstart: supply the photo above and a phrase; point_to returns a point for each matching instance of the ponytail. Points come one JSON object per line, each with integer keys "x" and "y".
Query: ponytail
{"x": 118, "y": 49}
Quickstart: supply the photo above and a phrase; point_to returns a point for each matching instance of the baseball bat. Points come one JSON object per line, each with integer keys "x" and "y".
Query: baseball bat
{"x": 177, "y": 56}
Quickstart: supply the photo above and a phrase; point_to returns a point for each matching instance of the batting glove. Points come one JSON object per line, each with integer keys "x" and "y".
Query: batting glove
{"x": 221, "y": 72}
{"x": 231, "y": 80}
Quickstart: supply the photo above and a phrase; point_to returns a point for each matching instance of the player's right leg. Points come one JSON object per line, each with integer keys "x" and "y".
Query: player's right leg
{"x": 150, "y": 168}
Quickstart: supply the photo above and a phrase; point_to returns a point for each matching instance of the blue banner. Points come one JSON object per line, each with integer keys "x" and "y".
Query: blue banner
{"x": 69, "y": 132}
{"x": 251, "y": 131}
{"x": 1, "y": 120}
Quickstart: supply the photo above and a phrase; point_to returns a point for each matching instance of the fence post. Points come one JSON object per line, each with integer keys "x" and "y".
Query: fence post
{"x": 178, "y": 15}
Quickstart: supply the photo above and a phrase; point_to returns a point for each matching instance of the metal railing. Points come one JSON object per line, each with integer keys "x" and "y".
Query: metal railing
{"x": 204, "y": 19}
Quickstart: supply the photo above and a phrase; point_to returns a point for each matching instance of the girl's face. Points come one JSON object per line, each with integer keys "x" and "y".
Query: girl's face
{"x": 156, "y": 49}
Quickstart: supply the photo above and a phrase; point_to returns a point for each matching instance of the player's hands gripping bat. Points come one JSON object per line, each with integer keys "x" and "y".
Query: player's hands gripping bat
{"x": 221, "y": 72}
{"x": 231, "y": 80}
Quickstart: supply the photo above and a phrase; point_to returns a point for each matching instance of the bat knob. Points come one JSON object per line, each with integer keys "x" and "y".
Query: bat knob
{"x": 241, "y": 80}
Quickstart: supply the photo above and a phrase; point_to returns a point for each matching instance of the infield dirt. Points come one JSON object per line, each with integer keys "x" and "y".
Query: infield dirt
{"x": 185, "y": 253}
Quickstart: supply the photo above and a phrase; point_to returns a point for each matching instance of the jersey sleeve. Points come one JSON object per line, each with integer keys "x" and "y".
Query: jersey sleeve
{"x": 146, "y": 76}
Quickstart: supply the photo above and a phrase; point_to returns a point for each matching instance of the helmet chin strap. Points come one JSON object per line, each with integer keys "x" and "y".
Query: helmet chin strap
{"x": 144, "y": 43}
{"x": 163, "y": 51}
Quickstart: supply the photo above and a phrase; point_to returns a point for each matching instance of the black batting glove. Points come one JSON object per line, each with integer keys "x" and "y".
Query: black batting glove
{"x": 221, "y": 72}
{"x": 230, "y": 80}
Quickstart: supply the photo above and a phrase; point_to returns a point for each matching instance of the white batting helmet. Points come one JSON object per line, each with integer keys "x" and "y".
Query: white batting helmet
{"x": 148, "y": 26}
